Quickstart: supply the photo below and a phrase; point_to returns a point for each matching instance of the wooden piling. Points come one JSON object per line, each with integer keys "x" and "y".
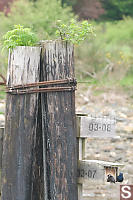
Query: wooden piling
{"x": 1, "y": 145}
{"x": 22, "y": 173}
{"x": 39, "y": 151}
{"x": 58, "y": 120}
{"x": 1, "y": 150}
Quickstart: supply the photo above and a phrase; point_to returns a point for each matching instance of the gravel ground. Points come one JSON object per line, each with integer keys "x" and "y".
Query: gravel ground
{"x": 114, "y": 150}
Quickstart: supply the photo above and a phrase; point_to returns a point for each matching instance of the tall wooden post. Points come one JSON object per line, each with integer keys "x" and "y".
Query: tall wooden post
{"x": 39, "y": 154}
{"x": 1, "y": 145}
{"x": 22, "y": 156}
{"x": 1, "y": 150}
{"x": 59, "y": 131}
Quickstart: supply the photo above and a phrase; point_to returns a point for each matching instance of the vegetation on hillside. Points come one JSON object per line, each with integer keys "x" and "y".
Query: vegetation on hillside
{"x": 89, "y": 9}
{"x": 103, "y": 9}
{"x": 108, "y": 56}
{"x": 116, "y": 9}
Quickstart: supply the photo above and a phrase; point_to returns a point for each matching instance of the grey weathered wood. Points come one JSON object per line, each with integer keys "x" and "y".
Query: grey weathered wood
{"x": 1, "y": 144}
{"x": 90, "y": 172}
{"x": 81, "y": 153}
{"x": 81, "y": 141}
{"x": 101, "y": 127}
{"x": 96, "y": 170}
{"x": 81, "y": 156}
{"x": 80, "y": 149}
{"x": 58, "y": 111}
{"x": 80, "y": 191}
{"x": 1, "y": 150}
{"x": 22, "y": 153}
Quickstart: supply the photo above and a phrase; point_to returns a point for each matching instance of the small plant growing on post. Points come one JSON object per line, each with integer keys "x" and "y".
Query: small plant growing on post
{"x": 19, "y": 36}
{"x": 75, "y": 32}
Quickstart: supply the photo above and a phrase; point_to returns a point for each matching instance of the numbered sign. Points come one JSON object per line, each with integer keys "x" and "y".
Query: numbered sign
{"x": 95, "y": 127}
{"x": 97, "y": 170}
{"x": 90, "y": 171}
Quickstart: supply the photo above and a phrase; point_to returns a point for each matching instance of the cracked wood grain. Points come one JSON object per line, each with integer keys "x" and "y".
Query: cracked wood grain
{"x": 59, "y": 135}
{"x": 22, "y": 156}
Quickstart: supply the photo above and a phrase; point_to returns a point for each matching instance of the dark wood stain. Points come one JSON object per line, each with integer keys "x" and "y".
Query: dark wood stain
{"x": 59, "y": 125}
{"x": 39, "y": 151}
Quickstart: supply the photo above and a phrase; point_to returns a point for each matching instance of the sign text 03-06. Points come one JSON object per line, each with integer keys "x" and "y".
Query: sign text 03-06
{"x": 97, "y": 127}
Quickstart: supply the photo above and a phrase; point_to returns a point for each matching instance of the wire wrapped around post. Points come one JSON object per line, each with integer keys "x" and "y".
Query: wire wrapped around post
{"x": 26, "y": 89}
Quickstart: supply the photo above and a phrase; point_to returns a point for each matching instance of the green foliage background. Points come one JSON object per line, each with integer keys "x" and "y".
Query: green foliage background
{"x": 69, "y": 3}
{"x": 40, "y": 16}
{"x": 116, "y": 9}
{"x": 108, "y": 56}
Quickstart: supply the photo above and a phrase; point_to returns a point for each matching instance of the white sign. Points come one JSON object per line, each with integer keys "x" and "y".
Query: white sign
{"x": 90, "y": 171}
{"x": 96, "y": 127}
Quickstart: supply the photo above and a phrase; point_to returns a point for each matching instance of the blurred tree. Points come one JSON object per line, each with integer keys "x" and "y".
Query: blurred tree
{"x": 69, "y": 3}
{"x": 126, "y": 7}
{"x": 5, "y": 5}
{"x": 116, "y": 9}
{"x": 88, "y": 9}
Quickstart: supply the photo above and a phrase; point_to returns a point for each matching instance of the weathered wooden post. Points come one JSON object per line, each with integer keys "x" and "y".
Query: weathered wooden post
{"x": 81, "y": 155}
{"x": 22, "y": 171}
{"x": 1, "y": 145}
{"x": 58, "y": 119}
{"x": 40, "y": 147}
{"x": 1, "y": 150}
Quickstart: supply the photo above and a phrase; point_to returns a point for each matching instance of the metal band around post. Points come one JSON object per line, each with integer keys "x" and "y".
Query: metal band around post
{"x": 25, "y": 89}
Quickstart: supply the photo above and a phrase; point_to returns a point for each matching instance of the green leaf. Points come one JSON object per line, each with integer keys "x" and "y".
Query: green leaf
{"x": 75, "y": 32}
{"x": 19, "y": 36}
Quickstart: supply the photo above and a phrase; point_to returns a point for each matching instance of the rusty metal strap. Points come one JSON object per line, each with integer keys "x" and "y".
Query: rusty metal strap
{"x": 39, "y": 90}
{"x": 28, "y": 88}
{"x": 47, "y": 83}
